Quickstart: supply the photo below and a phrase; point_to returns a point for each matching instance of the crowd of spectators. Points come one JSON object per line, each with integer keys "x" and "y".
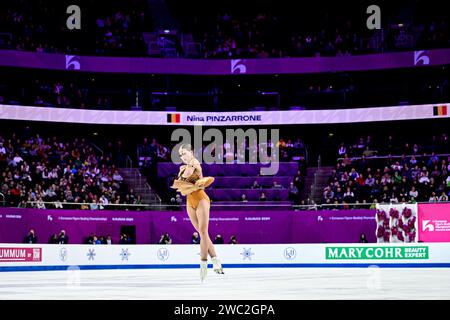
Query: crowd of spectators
{"x": 118, "y": 30}
{"x": 93, "y": 239}
{"x": 115, "y": 30}
{"x": 276, "y": 33}
{"x": 218, "y": 239}
{"x": 38, "y": 169}
{"x": 397, "y": 173}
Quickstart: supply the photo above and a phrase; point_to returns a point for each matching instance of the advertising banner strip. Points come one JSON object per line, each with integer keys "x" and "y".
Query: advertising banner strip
{"x": 377, "y": 253}
{"x": 75, "y": 63}
{"x": 253, "y": 118}
{"x": 434, "y": 222}
{"x": 75, "y": 257}
{"x": 13, "y": 254}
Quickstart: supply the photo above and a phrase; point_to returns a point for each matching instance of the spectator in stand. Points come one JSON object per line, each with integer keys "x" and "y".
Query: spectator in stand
{"x": 124, "y": 239}
{"x": 433, "y": 197}
{"x": 262, "y": 197}
{"x": 256, "y": 185}
{"x": 362, "y": 238}
{"x": 96, "y": 240}
{"x": 328, "y": 194}
{"x": 276, "y": 185}
{"x": 233, "y": 240}
{"x": 90, "y": 239}
{"x": 413, "y": 193}
{"x": 53, "y": 239}
{"x": 218, "y": 239}
{"x": 349, "y": 196}
{"x": 195, "y": 238}
{"x": 443, "y": 197}
{"x": 62, "y": 238}
{"x": 30, "y": 237}
{"x": 165, "y": 239}
{"x": 293, "y": 192}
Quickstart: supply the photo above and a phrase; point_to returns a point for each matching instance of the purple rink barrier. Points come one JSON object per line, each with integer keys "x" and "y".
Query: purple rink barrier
{"x": 407, "y": 59}
{"x": 342, "y": 226}
{"x": 252, "y": 170}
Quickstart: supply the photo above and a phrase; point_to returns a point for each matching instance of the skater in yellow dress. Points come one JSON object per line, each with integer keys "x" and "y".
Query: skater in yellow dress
{"x": 191, "y": 183}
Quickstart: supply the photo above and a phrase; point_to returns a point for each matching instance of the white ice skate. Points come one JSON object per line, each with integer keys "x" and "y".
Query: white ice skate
{"x": 203, "y": 269}
{"x": 217, "y": 266}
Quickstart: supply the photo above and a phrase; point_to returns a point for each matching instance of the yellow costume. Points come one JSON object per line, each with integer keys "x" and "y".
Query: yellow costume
{"x": 193, "y": 187}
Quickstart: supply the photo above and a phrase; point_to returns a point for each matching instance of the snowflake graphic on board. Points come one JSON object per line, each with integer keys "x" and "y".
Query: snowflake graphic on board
{"x": 125, "y": 254}
{"x": 247, "y": 253}
{"x": 91, "y": 254}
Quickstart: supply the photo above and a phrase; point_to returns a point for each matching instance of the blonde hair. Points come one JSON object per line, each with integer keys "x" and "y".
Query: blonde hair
{"x": 186, "y": 146}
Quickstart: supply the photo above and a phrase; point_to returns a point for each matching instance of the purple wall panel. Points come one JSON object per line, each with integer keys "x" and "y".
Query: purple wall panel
{"x": 249, "y": 226}
{"x": 224, "y": 67}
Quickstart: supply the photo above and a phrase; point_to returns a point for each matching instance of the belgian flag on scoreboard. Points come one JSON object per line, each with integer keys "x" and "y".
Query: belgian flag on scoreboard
{"x": 440, "y": 110}
{"x": 173, "y": 118}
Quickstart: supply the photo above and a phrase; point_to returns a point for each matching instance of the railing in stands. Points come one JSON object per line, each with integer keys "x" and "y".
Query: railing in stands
{"x": 128, "y": 163}
{"x": 397, "y": 156}
{"x": 314, "y": 186}
{"x": 97, "y": 147}
{"x": 3, "y": 199}
{"x": 161, "y": 207}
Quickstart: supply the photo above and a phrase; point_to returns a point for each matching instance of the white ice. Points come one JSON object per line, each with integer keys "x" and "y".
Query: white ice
{"x": 245, "y": 283}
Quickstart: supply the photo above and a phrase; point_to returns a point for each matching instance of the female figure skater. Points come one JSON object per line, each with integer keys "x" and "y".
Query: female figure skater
{"x": 191, "y": 182}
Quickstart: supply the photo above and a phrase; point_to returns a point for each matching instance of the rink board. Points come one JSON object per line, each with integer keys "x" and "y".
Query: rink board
{"x": 24, "y": 257}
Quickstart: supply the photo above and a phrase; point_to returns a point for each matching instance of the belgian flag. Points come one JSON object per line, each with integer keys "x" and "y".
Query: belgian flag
{"x": 440, "y": 110}
{"x": 173, "y": 118}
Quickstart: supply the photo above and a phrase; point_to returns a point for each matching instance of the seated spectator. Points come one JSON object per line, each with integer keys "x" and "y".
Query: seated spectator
{"x": 124, "y": 239}
{"x": 393, "y": 198}
{"x": 53, "y": 239}
{"x": 413, "y": 193}
{"x": 370, "y": 181}
{"x": 218, "y": 239}
{"x": 443, "y": 197}
{"x": 84, "y": 206}
{"x": 117, "y": 176}
{"x": 165, "y": 239}
{"x": 353, "y": 174}
{"x": 293, "y": 192}
{"x": 233, "y": 240}
{"x": 90, "y": 239}
{"x": 423, "y": 179}
{"x": 262, "y": 197}
{"x": 96, "y": 240}
{"x": 2, "y": 151}
{"x": 349, "y": 196}
{"x": 17, "y": 160}
{"x": 108, "y": 239}
{"x": 256, "y": 185}
{"x": 93, "y": 206}
{"x": 433, "y": 197}
{"x": 362, "y": 238}
{"x": 40, "y": 203}
{"x": 328, "y": 194}
{"x": 244, "y": 198}
{"x": 195, "y": 238}
{"x": 30, "y": 237}
{"x": 276, "y": 185}
{"x": 62, "y": 238}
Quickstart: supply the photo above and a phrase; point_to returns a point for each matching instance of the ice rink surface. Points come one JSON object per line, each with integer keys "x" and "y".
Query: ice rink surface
{"x": 236, "y": 284}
